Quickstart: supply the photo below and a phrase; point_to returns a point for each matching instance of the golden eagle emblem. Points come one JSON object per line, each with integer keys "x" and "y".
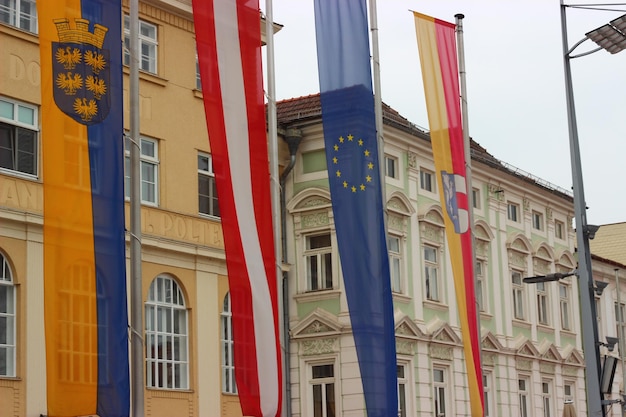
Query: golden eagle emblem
{"x": 69, "y": 57}
{"x": 96, "y": 86}
{"x": 95, "y": 60}
{"x": 86, "y": 109}
{"x": 69, "y": 82}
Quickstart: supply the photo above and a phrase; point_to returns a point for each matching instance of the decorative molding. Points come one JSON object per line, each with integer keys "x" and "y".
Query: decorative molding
{"x": 547, "y": 368}
{"x": 517, "y": 259}
{"x": 523, "y": 364}
{"x": 569, "y": 370}
{"x": 526, "y": 204}
{"x": 441, "y": 352}
{"x": 318, "y": 346}
{"x": 405, "y": 347}
{"x": 541, "y": 266}
{"x": 396, "y": 222}
{"x": 412, "y": 160}
{"x": 313, "y": 202}
{"x": 431, "y": 232}
{"x": 315, "y": 220}
{"x": 489, "y": 359}
{"x": 316, "y": 327}
{"x": 549, "y": 213}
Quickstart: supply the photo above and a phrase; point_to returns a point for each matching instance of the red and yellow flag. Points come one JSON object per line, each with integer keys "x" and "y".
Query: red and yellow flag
{"x": 438, "y": 57}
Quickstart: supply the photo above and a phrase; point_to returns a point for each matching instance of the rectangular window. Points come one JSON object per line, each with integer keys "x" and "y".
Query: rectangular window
{"x": 395, "y": 263}
{"x": 537, "y": 220}
{"x": 439, "y": 382}
{"x": 427, "y": 180}
{"x": 318, "y": 257}
{"x": 620, "y": 319}
{"x": 559, "y": 230}
{"x": 542, "y": 303}
{"x": 476, "y": 198}
{"x": 314, "y": 161}
{"x": 322, "y": 385}
{"x": 431, "y": 273}
{"x": 487, "y": 391}
{"x": 480, "y": 285}
{"x": 207, "y": 192}
{"x": 518, "y": 295}
{"x": 149, "y": 169}
{"x": 569, "y": 391}
{"x": 19, "y": 13}
{"x": 523, "y": 387}
{"x": 147, "y": 45}
{"x": 18, "y": 137}
{"x": 198, "y": 81}
{"x": 513, "y": 212}
{"x": 564, "y": 306}
{"x": 402, "y": 390}
{"x": 546, "y": 398}
{"x": 391, "y": 166}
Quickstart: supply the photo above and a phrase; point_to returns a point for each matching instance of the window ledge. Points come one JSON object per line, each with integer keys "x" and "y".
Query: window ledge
{"x": 400, "y": 297}
{"x": 19, "y": 33}
{"x": 311, "y": 296}
{"x": 568, "y": 332}
{"x": 197, "y": 93}
{"x": 545, "y": 327}
{"x": 146, "y": 76}
{"x": 435, "y": 305}
{"x": 521, "y": 323}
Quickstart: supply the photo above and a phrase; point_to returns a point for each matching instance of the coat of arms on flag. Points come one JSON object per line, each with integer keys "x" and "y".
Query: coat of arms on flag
{"x": 81, "y": 71}
{"x": 454, "y": 184}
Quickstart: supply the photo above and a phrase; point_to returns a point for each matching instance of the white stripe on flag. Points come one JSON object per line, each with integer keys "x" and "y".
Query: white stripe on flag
{"x": 237, "y": 138}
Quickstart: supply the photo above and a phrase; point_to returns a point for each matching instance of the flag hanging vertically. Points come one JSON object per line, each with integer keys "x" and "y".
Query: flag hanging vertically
{"x": 85, "y": 303}
{"x": 355, "y": 185}
{"x": 228, "y": 40}
{"x": 438, "y": 57}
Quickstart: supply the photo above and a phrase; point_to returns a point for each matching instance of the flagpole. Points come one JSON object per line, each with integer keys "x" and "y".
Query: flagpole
{"x": 272, "y": 131}
{"x": 378, "y": 102}
{"x": 468, "y": 167}
{"x": 136, "y": 323}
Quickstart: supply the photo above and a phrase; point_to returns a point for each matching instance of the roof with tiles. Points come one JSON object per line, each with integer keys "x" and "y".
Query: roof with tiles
{"x": 308, "y": 109}
{"x": 610, "y": 242}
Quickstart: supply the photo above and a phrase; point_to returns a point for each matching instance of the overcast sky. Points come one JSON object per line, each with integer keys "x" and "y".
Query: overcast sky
{"x": 515, "y": 84}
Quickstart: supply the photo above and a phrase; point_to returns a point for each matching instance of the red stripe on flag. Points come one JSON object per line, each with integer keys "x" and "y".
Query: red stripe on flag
{"x": 228, "y": 44}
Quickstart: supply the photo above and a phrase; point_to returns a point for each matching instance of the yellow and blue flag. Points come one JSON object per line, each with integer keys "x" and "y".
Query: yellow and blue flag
{"x": 85, "y": 301}
{"x": 355, "y": 185}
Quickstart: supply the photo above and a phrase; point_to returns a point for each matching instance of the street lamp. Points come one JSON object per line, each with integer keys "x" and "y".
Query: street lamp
{"x": 611, "y": 37}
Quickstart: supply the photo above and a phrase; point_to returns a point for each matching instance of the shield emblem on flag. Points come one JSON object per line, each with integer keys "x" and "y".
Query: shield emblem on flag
{"x": 81, "y": 81}
{"x": 453, "y": 185}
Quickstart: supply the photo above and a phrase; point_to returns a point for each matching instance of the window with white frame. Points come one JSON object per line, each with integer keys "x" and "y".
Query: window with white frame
{"x": 480, "y": 285}
{"x": 440, "y": 382}
{"x": 476, "y": 198}
{"x": 198, "y": 80}
{"x": 166, "y": 337}
{"x": 228, "y": 359}
{"x": 207, "y": 191}
{"x": 564, "y": 302}
{"x": 403, "y": 389}
{"x": 391, "y": 166}
{"x": 620, "y": 320}
{"x": 488, "y": 394}
{"x": 559, "y": 230}
{"x": 546, "y": 397}
{"x": 518, "y": 295}
{"x": 569, "y": 390}
{"x": 148, "y": 43}
{"x": 318, "y": 255}
{"x": 149, "y": 169}
{"x": 395, "y": 262}
{"x": 513, "y": 211}
{"x": 19, "y": 13}
{"x": 18, "y": 137}
{"x": 322, "y": 386}
{"x": 7, "y": 319}
{"x": 537, "y": 220}
{"x": 431, "y": 272}
{"x": 599, "y": 314}
{"x": 542, "y": 303}
{"x": 523, "y": 385}
{"x": 427, "y": 180}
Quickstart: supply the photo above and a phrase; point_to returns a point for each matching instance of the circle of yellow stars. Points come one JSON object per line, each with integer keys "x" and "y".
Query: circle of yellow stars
{"x": 357, "y": 186}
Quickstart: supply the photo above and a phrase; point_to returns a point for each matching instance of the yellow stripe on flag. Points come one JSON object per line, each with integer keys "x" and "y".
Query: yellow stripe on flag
{"x": 69, "y": 264}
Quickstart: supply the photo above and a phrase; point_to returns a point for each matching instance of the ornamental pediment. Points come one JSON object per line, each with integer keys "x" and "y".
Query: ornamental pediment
{"x": 319, "y": 323}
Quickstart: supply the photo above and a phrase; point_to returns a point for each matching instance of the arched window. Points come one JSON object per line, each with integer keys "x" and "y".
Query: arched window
{"x": 167, "y": 362}
{"x": 228, "y": 365}
{"x": 7, "y": 319}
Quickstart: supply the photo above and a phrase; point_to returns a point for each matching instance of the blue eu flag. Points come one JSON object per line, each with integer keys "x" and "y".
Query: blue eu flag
{"x": 355, "y": 186}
